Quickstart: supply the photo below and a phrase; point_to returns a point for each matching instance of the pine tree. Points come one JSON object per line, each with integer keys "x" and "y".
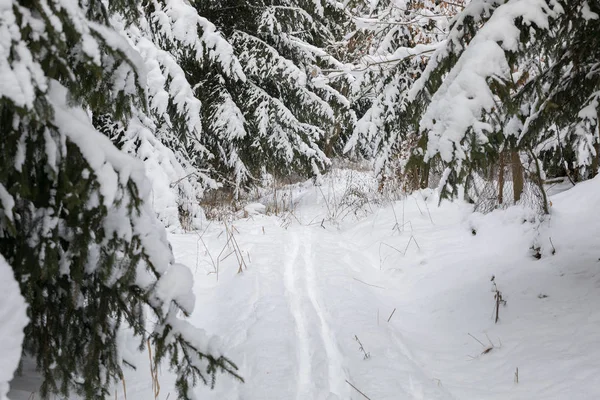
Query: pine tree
{"x": 75, "y": 220}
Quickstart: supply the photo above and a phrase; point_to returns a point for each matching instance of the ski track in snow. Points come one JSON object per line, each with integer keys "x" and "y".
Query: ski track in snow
{"x": 317, "y": 377}
{"x": 335, "y": 371}
{"x": 293, "y": 294}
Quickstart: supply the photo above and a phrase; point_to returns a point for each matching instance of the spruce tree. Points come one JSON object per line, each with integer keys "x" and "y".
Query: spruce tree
{"x": 169, "y": 135}
{"x": 391, "y": 42}
{"x": 563, "y": 92}
{"x": 284, "y": 116}
{"x": 75, "y": 220}
{"x": 512, "y": 77}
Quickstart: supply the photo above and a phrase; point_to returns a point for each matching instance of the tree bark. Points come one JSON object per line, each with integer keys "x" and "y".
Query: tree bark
{"x": 517, "y": 175}
{"x": 501, "y": 179}
{"x": 595, "y": 160}
{"x": 425, "y": 175}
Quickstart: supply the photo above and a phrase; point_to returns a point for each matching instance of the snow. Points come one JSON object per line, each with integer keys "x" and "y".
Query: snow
{"x": 586, "y": 132}
{"x": 176, "y": 285}
{"x": 13, "y": 319}
{"x": 291, "y": 318}
{"x": 346, "y": 291}
{"x": 7, "y": 201}
{"x": 409, "y": 279}
{"x": 402, "y": 36}
{"x": 587, "y": 13}
{"x": 105, "y": 159}
{"x": 179, "y": 21}
{"x": 255, "y": 208}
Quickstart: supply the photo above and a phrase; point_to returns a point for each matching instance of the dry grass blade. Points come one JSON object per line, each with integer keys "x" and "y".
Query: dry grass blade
{"x": 124, "y": 387}
{"x": 368, "y": 284}
{"x": 232, "y": 244}
{"x": 153, "y": 373}
{"x": 486, "y": 348}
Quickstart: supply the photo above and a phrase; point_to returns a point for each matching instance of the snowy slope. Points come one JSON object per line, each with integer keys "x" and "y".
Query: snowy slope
{"x": 313, "y": 284}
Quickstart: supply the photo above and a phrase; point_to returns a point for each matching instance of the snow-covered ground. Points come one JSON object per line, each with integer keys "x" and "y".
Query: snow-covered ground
{"x": 412, "y": 282}
{"x": 13, "y": 314}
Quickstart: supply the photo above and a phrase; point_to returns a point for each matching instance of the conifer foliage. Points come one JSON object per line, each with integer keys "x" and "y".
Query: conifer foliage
{"x": 75, "y": 221}
{"x": 392, "y": 42}
{"x": 285, "y": 115}
{"x": 514, "y": 76}
{"x": 115, "y": 113}
{"x": 493, "y": 87}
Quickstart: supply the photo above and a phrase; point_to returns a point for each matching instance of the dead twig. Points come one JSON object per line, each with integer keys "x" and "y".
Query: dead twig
{"x": 362, "y": 349}
{"x": 355, "y": 388}
{"x": 125, "y": 386}
{"x": 391, "y": 315}
{"x": 232, "y": 244}
{"x": 499, "y": 300}
{"x": 391, "y": 247}
{"x": 417, "y": 203}
{"x": 486, "y": 348}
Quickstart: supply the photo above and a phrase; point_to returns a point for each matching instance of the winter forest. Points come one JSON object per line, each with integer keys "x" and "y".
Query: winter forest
{"x": 299, "y": 199}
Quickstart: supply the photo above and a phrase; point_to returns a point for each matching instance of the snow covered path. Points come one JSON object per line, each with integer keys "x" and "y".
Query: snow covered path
{"x": 292, "y": 318}
{"x": 297, "y": 331}
{"x": 419, "y": 300}
{"x": 320, "y": 367}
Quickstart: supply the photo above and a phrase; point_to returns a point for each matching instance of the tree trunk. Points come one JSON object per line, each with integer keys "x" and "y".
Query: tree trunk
{"x": 501, "y": 179}
{"x": 517, "y": 175}
{"x": 595, "y": 160}
{"x": 425, "y": 175}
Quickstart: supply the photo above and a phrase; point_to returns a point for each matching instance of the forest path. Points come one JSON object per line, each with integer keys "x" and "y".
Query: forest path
{"x": 392, "y": 304}
{"x": 320, "y": 366}
{"x": 292, "y": 318}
